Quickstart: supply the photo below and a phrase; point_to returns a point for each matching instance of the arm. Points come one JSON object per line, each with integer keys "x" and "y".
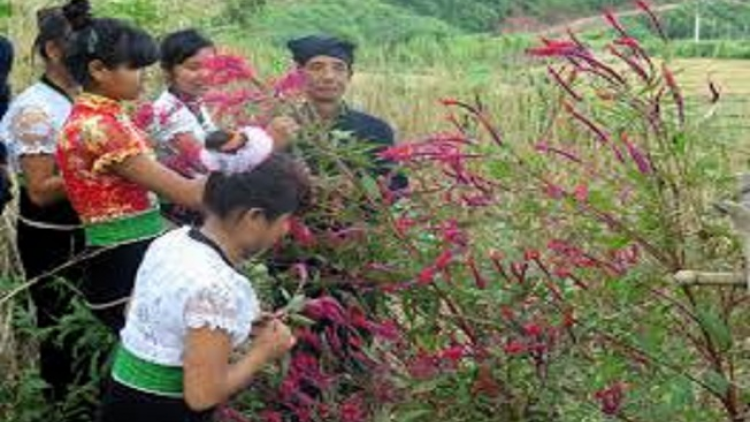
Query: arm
{"x": 42, "y": 185}
{"x": 143, "y": 170}
{"x": 35, "y": 138}
{"x": 188, "y": 152}
{"x": 209, "y": 378}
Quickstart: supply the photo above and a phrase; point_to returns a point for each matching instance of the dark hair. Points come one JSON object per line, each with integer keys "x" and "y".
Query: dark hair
{"x": 180, "y": 46}
{"x": 57, "y": 23}
{"x": 277, "y": 186}
{"x": 217, "y": 139}
{"x": 113, "y": 42}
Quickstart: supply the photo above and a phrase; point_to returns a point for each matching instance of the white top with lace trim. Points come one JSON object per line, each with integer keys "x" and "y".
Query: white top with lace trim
{"x": 185, "y": 283}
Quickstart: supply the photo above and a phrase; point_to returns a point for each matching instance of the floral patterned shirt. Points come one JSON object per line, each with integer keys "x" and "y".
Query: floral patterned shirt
{"x": 99, "y": 133}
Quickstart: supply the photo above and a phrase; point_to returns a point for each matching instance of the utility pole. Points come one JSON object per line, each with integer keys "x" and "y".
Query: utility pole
{"x": 697, "y": 25}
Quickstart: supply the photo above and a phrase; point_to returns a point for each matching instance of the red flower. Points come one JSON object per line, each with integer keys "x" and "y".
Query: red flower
{"x": 352, "y": 410}
{"x": 309, "y": 338}
{"x": 555, "y": 48}
{"x": 399, "y": 153}
{"x": 271, "y": 416}
{"x": 569, "y": 318}
{"x": 554, "y": 191}
{"x": 533, "y": 330}
{"x": 629, "y": 42}
{"x": 581, "y": 192}
{"x": 443, "y": 260}
{"x": 226, "y": 68}
{"x": 508, "y": 313}
{"x": 640, "y": 159}
{"x": 449, "y": 102}
{"x": 387, "y": 330}
{"x": 610, "y": 398}
{"x": 403, "y": 224}
{"x": 514, "y": 348}
{"x": 652, "y": 17}
{"x": 453, "y": 234}
{"x": 611, "y": 18}
{"x": 531, "y": 255}
{"x": 290, "y": 84}
{"x": 426, "y": 276}
{"x": 301, "y": 233}
{"x": 454, "y": 353}
{"x": 325, "y": 307}
{"x": 423, "y": 366}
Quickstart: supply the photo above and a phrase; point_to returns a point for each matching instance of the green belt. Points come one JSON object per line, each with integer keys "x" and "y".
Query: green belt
{"x": 145, "y": 376}
{"x": 143, "y": 226}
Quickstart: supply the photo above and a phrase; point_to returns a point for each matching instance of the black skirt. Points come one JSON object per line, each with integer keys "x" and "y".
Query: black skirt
{"x": 109, "y": 278}
{"x": 42, "y": 251}
{"x": 124, "y": 404}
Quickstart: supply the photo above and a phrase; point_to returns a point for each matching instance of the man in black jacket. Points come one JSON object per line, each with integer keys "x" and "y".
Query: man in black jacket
{"x": 327, "y": 64}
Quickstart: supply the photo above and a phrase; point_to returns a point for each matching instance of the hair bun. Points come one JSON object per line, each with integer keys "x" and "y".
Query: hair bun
{"x": 78, "y": 13}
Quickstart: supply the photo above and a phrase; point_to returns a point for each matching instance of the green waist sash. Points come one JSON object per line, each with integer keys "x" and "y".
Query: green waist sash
{"x": 143, "y": 226}
{"x": 141, "y": 375}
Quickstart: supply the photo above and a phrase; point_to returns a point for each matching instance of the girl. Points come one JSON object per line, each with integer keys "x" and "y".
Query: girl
{"x": 107, "y": 163}
{"x": 191, "y": 305}
{"x": 48, "y": 229}
{"x": 183, "y": 123}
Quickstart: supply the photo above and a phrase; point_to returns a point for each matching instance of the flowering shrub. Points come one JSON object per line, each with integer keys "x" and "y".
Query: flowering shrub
{"x": 524, "y": 274}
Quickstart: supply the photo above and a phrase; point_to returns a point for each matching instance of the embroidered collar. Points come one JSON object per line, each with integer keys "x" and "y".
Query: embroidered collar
{"x": 99, "y": 103}
{"x": 198, "y": 236}
{"x": 55, "y": 87}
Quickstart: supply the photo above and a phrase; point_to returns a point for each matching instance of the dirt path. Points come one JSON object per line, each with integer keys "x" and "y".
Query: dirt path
{"x": 594, "y": 21}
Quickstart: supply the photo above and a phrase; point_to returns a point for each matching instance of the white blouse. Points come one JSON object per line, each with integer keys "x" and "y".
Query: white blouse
{"x": 172, "y": 118}
{"x": 185, "y": 282}
{"x": 34, "y": 120}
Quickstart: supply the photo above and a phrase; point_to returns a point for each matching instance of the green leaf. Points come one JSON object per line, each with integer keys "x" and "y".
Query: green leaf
{"x": 413, "y": 415}
{"x": 716, "y": 382}
{"x": 295, "y": 305}
{"x": 716, "y": 328}
{"x": 370, "y": 185}
{"x": 299, "y": 320}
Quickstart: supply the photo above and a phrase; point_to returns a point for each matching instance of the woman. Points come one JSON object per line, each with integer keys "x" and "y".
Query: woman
{"x": 183, "y": 123}
{"x": 107, "y": 163}
{"x": 191, "y": 305}
{"x": 48, "y": 229}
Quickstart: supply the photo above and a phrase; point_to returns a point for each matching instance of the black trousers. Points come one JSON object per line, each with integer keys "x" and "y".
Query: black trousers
{"x": 124, "y": 404}
{"x": 42, "y": 251}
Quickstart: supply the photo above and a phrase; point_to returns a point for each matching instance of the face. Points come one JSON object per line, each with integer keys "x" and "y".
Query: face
{"x": 190, "y": 77}
{"x": 121, "y": 83}
{"x": 326, "y": 78}
{"x": 256, "y": 233}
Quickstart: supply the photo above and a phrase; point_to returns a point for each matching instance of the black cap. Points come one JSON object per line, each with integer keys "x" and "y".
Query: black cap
{"x": 304, "y": 49}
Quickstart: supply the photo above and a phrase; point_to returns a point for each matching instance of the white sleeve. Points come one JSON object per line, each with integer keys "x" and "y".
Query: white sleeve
{"x": 258, "y": 147}
{"x": 212, "y": 306}
{"x": 172, "y": 119}
{"x": 32, "y": 132}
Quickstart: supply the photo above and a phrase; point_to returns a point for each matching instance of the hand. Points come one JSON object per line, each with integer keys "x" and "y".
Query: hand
{"x": 283, "y": 130}
{"x": 273, "y": 338}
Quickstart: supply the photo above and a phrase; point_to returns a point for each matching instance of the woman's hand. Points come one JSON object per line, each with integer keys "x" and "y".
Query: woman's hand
{"x": 273, "y": 339}
{"x": 283, "y": 130}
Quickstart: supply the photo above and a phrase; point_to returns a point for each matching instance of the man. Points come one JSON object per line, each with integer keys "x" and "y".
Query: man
{"x": 327, "y": 64}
